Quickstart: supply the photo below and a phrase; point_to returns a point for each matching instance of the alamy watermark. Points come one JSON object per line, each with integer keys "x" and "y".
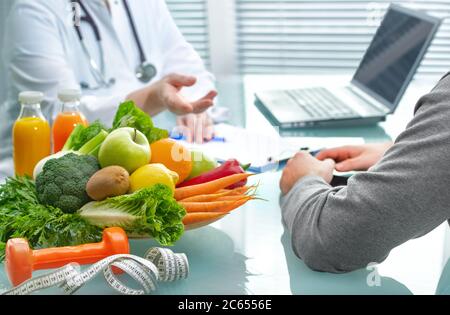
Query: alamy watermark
{"x": 73, "y": 14}
{"x": 375, "y": 13}
{"x": 373, "y": 278}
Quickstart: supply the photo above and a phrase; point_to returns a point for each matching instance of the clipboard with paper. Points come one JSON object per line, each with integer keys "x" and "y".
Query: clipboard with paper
{"x": 263, "y": 151}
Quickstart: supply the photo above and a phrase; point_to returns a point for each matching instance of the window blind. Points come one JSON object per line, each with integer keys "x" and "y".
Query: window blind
{"x": 192, "y": 19}
{"x": 299, "y": 36}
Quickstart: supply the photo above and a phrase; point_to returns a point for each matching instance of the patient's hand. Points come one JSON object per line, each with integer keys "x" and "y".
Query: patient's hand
{"x": 303, "y": 164}
{"x": 355, "y": 158}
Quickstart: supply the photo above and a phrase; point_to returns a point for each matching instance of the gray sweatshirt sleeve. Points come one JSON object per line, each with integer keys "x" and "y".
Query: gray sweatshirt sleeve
{"x": 404, "y": 196}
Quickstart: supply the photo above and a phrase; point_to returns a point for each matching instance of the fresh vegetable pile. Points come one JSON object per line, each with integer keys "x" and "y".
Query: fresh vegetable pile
{"x": 22, "y": 215}
{"x": 130, "y": 176}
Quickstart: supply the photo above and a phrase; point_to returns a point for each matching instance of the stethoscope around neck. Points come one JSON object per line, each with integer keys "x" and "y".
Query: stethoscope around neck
{"x": 144, "y": 72}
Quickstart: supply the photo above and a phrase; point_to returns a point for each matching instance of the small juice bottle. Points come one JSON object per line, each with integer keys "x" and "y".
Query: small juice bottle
{"x": 31, "y": 134}
{"x": 69, "y": 117}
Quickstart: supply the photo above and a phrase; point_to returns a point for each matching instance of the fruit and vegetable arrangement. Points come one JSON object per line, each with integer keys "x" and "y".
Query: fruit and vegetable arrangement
{"x": 130, "y": 176}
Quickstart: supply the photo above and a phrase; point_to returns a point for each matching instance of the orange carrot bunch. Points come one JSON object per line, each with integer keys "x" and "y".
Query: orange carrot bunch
{"x": 211, "y": 201}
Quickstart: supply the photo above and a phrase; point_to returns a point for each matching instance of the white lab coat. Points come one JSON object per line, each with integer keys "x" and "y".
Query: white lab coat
{"x": 42, "y": 52}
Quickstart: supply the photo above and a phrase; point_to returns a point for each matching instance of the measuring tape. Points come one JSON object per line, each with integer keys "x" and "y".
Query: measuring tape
{"x": 158, "y": 265}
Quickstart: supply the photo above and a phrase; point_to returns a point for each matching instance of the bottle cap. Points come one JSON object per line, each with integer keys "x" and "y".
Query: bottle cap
{"x": 31, "y": 97}
{"x": 69, "y": 95}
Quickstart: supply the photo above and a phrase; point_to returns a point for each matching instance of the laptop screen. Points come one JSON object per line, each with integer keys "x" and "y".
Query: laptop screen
{"x": 394, "y": 54}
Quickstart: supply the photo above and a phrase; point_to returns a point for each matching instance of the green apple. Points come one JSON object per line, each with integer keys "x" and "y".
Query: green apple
{"x": 201, "y": 163}
{"x": 126, "y": 147}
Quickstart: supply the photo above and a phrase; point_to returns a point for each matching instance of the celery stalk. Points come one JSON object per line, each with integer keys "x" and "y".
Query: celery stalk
{"x": 95, "y": 151}
{"x": 92, "y": 145}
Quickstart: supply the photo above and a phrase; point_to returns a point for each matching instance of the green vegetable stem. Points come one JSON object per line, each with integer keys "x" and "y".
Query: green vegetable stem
{"x": 92, "y": 147}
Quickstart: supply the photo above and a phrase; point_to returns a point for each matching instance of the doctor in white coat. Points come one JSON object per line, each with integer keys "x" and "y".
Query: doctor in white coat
{"x": 114, "y": 50}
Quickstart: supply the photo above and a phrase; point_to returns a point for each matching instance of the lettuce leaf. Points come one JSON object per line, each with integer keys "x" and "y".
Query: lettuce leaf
{"x": 129, "y": 115}
{"x": 148, "y": 212}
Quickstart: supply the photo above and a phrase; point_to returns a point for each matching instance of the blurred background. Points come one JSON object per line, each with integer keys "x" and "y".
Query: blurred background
{"x": 296, "y": 36}
{"x": 290, "y": 36}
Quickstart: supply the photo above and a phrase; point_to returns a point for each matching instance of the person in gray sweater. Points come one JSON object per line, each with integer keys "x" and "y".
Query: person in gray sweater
{"x": 404, "y": 194}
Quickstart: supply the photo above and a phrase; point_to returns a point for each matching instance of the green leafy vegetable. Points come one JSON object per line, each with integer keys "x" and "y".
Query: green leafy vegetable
{"x": 148, "y": 212}
{"x": 74, "y": 136}
{"x": 129, "y": 115}
{"x": 62, "y": 183}
{"x": 82, "y": 135}
{"x": 21, "y": 215}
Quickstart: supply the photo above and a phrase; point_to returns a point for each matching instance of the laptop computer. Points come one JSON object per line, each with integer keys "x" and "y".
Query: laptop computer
{"x": 377, "y": 87}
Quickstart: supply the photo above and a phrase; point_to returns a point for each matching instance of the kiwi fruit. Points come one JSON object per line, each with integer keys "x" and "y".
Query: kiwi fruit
{"x": 109, "y": 182}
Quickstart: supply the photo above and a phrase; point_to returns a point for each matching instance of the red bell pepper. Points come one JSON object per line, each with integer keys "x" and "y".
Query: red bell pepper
{"x": 230, "y": 167}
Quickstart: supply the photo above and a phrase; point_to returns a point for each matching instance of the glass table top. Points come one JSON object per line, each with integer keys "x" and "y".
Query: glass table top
{"x": 249, "y": 252}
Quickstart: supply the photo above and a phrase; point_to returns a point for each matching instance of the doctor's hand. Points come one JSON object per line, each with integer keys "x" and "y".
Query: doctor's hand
{"x": 196, "y": 128}
{"x": 355, "y": 158}
{"x": 304, "y": 164}
{"x": 165, "y": 95}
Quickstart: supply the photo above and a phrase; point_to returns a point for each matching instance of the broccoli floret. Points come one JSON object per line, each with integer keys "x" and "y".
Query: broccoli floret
{"x": 70, "y": 203}
{"x": 50, "y": 193}
{"x": 89, "y": 165}
{"x": 62, "y": 183}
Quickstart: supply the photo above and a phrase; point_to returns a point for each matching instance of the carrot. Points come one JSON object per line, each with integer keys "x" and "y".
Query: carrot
{"x": 210, "y": 187}
{"x": 215, "y": 206}
{"x": 232, "y": 198}
{"x": 237, "y": 191}
{"x": 206, "y": 198}
{"x": 198, "y": 217}
{"x": 242, "y": 190}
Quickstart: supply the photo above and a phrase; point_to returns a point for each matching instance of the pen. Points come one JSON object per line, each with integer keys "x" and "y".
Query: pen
{"x": 181, "y": 137}
{"x": 313, "y": 153}
{"x": 218, "y": 139}
{"x": 316, "y": 152}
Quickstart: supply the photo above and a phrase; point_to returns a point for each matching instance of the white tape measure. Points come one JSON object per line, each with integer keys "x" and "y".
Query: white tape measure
{"x": 159, "y": 264}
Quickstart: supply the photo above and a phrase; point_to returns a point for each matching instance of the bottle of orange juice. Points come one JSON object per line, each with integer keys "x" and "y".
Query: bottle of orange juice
{"x": 69, "y": 117}
{"x": 31, "y": 134}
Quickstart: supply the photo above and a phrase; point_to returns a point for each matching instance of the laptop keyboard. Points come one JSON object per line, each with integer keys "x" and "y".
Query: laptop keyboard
{"x": 321, "y": 103}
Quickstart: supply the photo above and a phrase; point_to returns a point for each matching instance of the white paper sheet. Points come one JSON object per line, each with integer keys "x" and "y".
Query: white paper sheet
{"x": 257, "y": 148}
